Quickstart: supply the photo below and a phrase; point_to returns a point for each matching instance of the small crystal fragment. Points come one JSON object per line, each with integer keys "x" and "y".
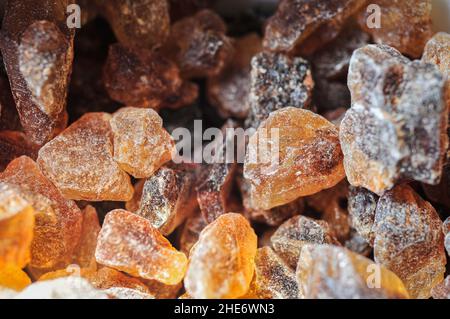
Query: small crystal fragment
{"x": 80, "y": 161}
{"x": 85, "y": 252}
{"x": 361, "y": 207}
{"x": 409, "y": 240}
{"x": 141, "y": 144}
{"x": 446, "y": 228}
{"x": 133, "y": 204}
{"x": 442, "y": 291}
{"x": 12, "y": 277}
{"x": 168, "y": 197}
{"x": 199, "y": 45}
{"x": 289, "y": 239}
{"x": 404, "y": 25}
{"x": 293, "y": 27}
{"x": 278, "y": 81}
{"x": 191, "y": 232}
{"x": 129, "y": 243}
{"x": 16, "y": 227}
{"x": 326, "y": 271}
{"x": 57, "y": 219}
{"x": 221, "y": 263}
{"x": 304, "y": 157}
{"x": 396, "y": 126}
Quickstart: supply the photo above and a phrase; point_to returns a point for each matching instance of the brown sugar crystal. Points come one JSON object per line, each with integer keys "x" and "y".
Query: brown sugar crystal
{"x": 191, "y": 232}
{"x": 129, "y": 243}
{"x": 12, "y": 277}
{"x": 141, "y": 144}
{"x": 230, "y": 242}
{"x": 37, "y": 48}
{"x": 361, "y": 207}
{"x": 85, "y": 252}
{"x": 80, "y": 161}
{"x": 308, "y": 157}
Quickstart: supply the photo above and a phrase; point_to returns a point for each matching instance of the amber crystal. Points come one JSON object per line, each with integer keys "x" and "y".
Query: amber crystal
{"x": 307, "y": 151}
{"x": 12, "y": 277}
{"x": 37, "y": 48}
{"x": 80, "y": 161}
{"x": 57, "y": 219}
{"x": 16, "y": 227}
{"x": 191, "y": 232}
{"x": 446, "y": 229}
{"x": 85, "y": 252}
{"x": 409, "y": 240}
{"x": 277, "y": 81}
{"x": 199, "y": 45}
{"x": 293, "y": 27}
{"x": 442, "y": 291}
{"x": 326, "y": 271}
{"x": 396, "y": 126}
{"x": 168, "y": 197}
{"x": 129, "y": 243}
{"x": 231, "y": 243}
{"x": 141, "y": 144}
{"x": 361, "y": 207}
{"x": 133, "y": 204}
{"x": 289, "y": 239}
{"x": 404, "y": 25}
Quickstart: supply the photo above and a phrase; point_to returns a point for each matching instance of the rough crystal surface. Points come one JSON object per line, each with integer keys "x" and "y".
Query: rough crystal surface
{"x": 362, "y": 204}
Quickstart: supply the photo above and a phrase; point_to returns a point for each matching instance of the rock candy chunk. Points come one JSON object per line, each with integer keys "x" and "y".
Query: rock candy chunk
{"x": 409, "y": 240}
{"x": 16, "y": 227}
{"x": 12, "y": 277}
{"x": 141, "y": 144}
{"x": 191, "y": 232}
{"x": 292, "y": 28}
{"x": 273, "y": 277}
{"x": 199, "y": 45}
{"x": 404, "y": 25}
{"x": 37, "y": 48}
{"x": 71, "y": 287}
{"x": 278, "y": 81}
{"x": 228, "y": 92}
{"x": 168, "y": 197}
{"x": 293, "y": 153}
{"x": 325, "y": 272}
{"x": 12, "y": 145}
{"x": 361, "y": 207}
{"x": 85, "y": 252}
{"x": 129, "y": 243}
{"x": 57, "y": 220}
{"x": 289, "y": 239}
{"x": 398, "y": 120}
{"x": 442, "y": 291}
{"x": 140, "y": 77}
{"x": 138, "y": 23}
{"x": 437, "y": 51}
{"x": 80, "y": 161}
{"x": 221, "y": 263}
{"x": 133, "y": 204}
{"x": 358, "y": 244}
{"x": 446, "y": 228}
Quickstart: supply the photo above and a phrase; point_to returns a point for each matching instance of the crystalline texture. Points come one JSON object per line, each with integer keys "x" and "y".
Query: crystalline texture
{"x": 397, "y": 124}
{"x": 80, "y": 161}
{"x": 361, "y": 207}
{"x": 191, "y": 232}
{"x": 221, "y": 263}
{"x": 14, "y": 144}
{"x": 85, "y": 251}
{"x": 129, "y": 243}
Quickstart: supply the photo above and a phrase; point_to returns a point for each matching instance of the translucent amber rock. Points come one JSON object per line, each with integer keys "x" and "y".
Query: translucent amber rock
{"x": 168, "y": 197}
{"x": 273, "y": 277}
{"x": 12, "y": 277}
{"x": 62, "y": 288}
{"x": 221, "y": 263}
{"x": 405, "y": 25}
{"x": 361, "y": 207}
{"x": 16, "y": 227}
{"x": 277, "y": 81}
{"x": 289, "y": 239}
{"x": 446, "y": 228}
{"x": 326, "y": 272}
{"x": 199, "y": 45}
{"x": 140, "y": 77}
{"x": 57, "y": 220}
{"x": 141, "y": 144}
{"x": 295, "y": 23}
{"x": 133, "y": 204}
{"x": 396, "y": 126}
{"x": 12, "y": 145}
{"x": 37, "y": 48}
{"x": 138, "y": 23}
{"x": 85, "y": 252}
{"x": 129, "y": 243}
{"x": 191, "y": 232}
{"x": 228, "y": 92}
{"x": 358, "y": 244}
{"x": 162, "y": 291}
{"x": 442, "y": 291}
{"x": 409, "y": 240}
{"x": 80, "y": 161}
{"x": 308, "y": 154}
{"x": 331, "y": 203}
